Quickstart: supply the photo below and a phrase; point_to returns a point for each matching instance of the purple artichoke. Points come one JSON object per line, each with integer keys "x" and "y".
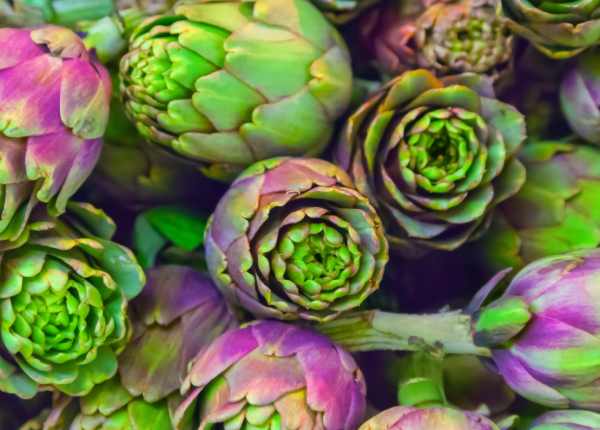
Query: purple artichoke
{"x": 272, "y": 374}
{"x": 407, "y": 418}
{"x": 292, "y": 238}
{"x": 54, "y": 102}
{"x": 567, "y": 420}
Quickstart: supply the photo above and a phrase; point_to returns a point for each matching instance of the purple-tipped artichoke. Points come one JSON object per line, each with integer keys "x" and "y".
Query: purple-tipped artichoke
{"x": 53, "y": 111}
{"x": 276, "y": 375}
{"x": 63, "y": 303}
{"x": 406, "y": 418}
{"x": 292, "y": 238}
{"x": 567, "y": 420}
{"x": 434, "y": 156}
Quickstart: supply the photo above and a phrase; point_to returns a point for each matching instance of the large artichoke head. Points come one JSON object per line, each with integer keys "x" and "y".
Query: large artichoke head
{"x": 278, "y": 376}
{"x": 292, "y": 238}
{"x": 53, "y": 111}
{"x": 567, "y": 420}
{"x": 544, "y": 331}
{"x": 559, "y": 29}
{"x": 63, "y": 303}
{"x": 229, "y": 84}
{"x": 438, "y": 418}
{"x": 435, "y": 156}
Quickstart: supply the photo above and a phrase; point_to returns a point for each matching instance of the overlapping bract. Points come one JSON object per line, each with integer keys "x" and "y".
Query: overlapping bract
{"x": 559, "y": 29}
{"x": 445, "y": 37}
{"x": 63, "y": 304}
{"x": 406, "y": 418}
{"x": 277, "y": 376}
{"x": 553, "y": 355}
{"x": 567, "y": 420}
{"x": 293, "y": 239}
{"x": 229, "y": 84}
{"x": 434, "y": 156}
{"x": 555, "y": 211}
{"x": 53, "y": 111}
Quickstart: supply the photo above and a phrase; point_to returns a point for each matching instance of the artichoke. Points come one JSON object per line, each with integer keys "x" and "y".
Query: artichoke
{"x": 63, "y": 303}
{"x": 53, "y": 111}
{"x": 274, "y": 375}
{"x": 293, "y": 239}
{"x": 445, "y": 37}
{"x": 434, "y": 156}
{"x": 567, "y": 420}
{"x": 579, "y": 98}
{"x": 229, "y": 84}
{"x": 33, "y": 13}
{"x": 554, "y": 212}
{"x": 558, "y": 29}
{"x": 438, "y": 418}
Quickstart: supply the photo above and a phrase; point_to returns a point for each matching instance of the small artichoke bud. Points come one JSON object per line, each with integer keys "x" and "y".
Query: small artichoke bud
{"x": 500, "y": 321}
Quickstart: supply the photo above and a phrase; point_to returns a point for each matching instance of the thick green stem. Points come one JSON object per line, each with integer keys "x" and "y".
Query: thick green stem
{"x": 438, "y": 334}
{"x": 421, "y": 382}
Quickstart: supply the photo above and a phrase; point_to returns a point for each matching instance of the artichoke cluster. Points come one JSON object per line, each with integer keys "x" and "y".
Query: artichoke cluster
{"x": 332, "y": 215}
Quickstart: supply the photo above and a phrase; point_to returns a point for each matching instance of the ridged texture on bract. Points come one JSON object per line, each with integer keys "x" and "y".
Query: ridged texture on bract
{"x": 445, "y": 37}
{"x": 229, "y": 84}
{"x": 406, "y": 418}
{"x": 53, "y": 111}
{"x": 555, "y": 359}
{"x": 434, "y": 156}
{"x": 567, "y": 420}
{"x": 277, "y": 376}
{"x": 292, "y": 238}
{"x": 63, "y": 301}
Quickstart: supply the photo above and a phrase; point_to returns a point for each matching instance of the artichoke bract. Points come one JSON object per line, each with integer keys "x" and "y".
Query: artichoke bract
{"x": 579, "y": 99}
{"x": 292, "y": 238}
{"x": 443, "y": 37}
{"x": 229, "y": 84}
{"x": 53, "y": 111}
{"x": 63, "y": 303}
{"x": 278, "y": 376}
{"x": 434, "y": 156}
{"x": 567, "y": 420}
{"x": 407, "y": 418}
{"x": 559, "y": 29}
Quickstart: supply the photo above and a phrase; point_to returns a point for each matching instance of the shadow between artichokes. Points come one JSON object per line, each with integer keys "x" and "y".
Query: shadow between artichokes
{"x": 434, "y": 156}
{"x": 292, "y": 238}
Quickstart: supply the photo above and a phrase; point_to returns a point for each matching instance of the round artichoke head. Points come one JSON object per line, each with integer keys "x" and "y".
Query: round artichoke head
{"x": 438, "y": 418}
{"x": 292, "y": 238}
{"x": 53, "y": 111}
{"x": 63, "y": 303}
{"x": 229, "y": 84}
{"x": 544, "y": 331}
{"x": 279, "y": 376}
{"x": 434, "y": 156}
{"x": 567, "y": 420}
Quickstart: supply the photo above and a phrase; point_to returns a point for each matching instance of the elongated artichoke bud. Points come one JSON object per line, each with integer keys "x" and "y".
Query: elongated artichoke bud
{"x": 292, "y": 238}
{"x": 434, "y": 156}
{"x": 230, "y": 84}
{"x": 63, "y": 303}
{"x": 53, "y": 111}
{"x": 567, "y": 420}
{"x": 438, "y": 418}
{"x": 276, "y": 375}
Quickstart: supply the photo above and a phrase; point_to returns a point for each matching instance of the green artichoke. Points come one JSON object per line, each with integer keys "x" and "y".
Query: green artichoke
{"x": 434, "y": 156}
{"x": 229, "y": 84}
{"x": 63, "y": 303}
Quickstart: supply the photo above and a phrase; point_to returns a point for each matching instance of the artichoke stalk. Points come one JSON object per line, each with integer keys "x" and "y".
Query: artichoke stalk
{"x": 293, "y": 239}
{"x": 230, "y": 84}
{"x": 434, "y": 156}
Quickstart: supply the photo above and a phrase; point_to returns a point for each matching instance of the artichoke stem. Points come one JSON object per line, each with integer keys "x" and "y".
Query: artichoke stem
{"x": 437, "y": 334}
{"x": 421, "y": 382}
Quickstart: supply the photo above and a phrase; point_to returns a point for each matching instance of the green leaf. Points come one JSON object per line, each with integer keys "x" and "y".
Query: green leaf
{"x": 182, "y": 227}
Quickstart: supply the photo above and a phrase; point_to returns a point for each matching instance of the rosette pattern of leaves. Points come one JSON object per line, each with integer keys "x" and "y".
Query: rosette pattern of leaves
{"x": 434, "y": 156}
{"x": 229, "y": 84}
{"x": 445, "y": 37}
{"x": 63, "y": 303}
{"x": 567, "y": 420}
{"x": 292, "y": 238}
{"x": 53, "y": 111}
{"x": 559, "y": 29}
{"x": 554, "y": 212}
{"x": 276, "y": 376}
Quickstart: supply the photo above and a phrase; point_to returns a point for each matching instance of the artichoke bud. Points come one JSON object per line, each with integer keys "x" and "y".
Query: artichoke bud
{"x": 500, "y": 321}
